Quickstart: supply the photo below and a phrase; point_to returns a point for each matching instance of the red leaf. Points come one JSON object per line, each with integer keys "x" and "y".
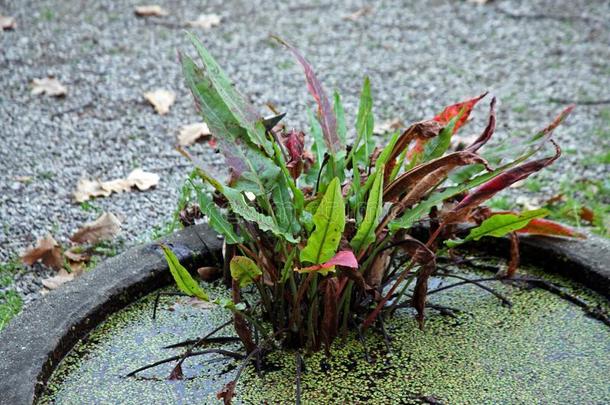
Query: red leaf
{"x": 555, "y": 123}
{"x": 227, "y": 393}
{"x": 326, "y": 115}
{"x": 513, "y": 262}
{"x": 176, "y": 373}
{"x": 294, "y": 141}
{"x": 489, "y": 130}
{"x": 343, "y": 258}
{"x": 540, "y": 226}
{"x": 447, "y": 115}
{"x": 451, "y": 111}
{"x": 586, "y": 214}
{"x": 500, "y": 182}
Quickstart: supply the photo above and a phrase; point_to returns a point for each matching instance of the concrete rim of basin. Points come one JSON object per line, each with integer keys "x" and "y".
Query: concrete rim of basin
{"x": 36, "y": 340}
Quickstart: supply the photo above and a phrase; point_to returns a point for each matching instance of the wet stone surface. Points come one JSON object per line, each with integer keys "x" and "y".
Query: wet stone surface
{"x": 542, "y": 350}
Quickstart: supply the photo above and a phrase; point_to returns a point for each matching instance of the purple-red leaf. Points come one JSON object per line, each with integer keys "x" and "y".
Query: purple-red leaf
{"x": 328, "y": 121}
{"x": 489, "y": 130}
{"x": 176, "y": 373}
{"x": 447, "y": 115}
{"x": 546, "y": 227}
{"x": 498, "y": 183}
{"x": 345, "y": 258}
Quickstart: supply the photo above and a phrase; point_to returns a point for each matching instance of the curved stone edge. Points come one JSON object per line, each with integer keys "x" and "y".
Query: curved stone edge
{"x": 38, "y": 338}
{"x": 588, "y": 259}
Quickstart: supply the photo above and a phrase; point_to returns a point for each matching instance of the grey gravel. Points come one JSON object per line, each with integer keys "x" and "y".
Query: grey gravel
{"x": 420, "y": 55}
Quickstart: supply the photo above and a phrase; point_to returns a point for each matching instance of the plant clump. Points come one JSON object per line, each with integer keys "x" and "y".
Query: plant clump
{"x": 326, "y": 236}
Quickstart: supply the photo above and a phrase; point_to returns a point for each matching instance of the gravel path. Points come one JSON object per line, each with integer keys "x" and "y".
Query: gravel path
{"x": 420, "y": 55}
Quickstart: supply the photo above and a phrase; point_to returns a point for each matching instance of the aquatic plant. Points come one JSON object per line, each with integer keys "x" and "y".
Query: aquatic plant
{"x": 325, "y": 236}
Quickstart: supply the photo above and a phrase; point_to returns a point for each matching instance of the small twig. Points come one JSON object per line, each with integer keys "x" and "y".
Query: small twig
{"x": 386, "y": 338}
{"x": 227, "y": 353}
{"x": 298, "y": 378}
{"x": 540, "y": 16}
{"x": 73, "y": 109}
{"x": 476, "y": 282}
{"x": 578, "y": 102}
{"x": 363, "y": 343}
{"x": 156, "y": 303}
{"x": 220, "y": 339}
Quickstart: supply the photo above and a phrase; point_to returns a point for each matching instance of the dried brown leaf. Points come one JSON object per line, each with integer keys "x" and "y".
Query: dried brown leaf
{"x": 61, "y": 278}
{"x": 143, "y": 180}
{"x": 189, "y": 134}
{"x": 388, "y": 126}
{"x": 49, "y": 86}
{"x": 106, "y": 227}
{"x": 361, "y": 12}
{"x": 150, "y": 11}
{"x": 47, "y": 250}
{"x": 205, "y": 21}
{"x": 7, "y": 23}
{"x": 86, "y": 189}
{"x": 77, "y": 255}
{"x": 161, "y": 100}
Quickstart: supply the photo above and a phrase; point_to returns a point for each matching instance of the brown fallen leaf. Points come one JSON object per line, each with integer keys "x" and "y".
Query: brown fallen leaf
{"x": 361, "y": 12}
{"x": 388, "y": 126}
{"x": 161, "y": 100}
{"x": 143, "y": 180}
{"x": 106, "y": 227}
{"x": 47, "y": 250}
{"x": 49, "y": 86}
{"x": 150, "y": 11}
{"x": 587, "y": 214}
{"x": 189, "y": 134}
{"x": 205, "y": 21}
{"x": 7, "y": 23}
{"x": 77, "y": 255}
{"x": 61, "y": 278}
{"x": 86, "y": 189}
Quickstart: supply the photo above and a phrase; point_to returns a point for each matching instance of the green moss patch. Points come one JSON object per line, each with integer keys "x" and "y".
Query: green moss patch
{"x": 542, "y": 350}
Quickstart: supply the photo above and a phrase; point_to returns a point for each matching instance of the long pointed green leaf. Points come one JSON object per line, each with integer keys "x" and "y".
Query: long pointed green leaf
{"x": 329, "y": 221}
{"x": 284, "y": 208}
{"x": 499, "y": 225}
{"x": 183, "y": 279}
{"x": 243, "y": 112}
{"x": 366, "y": 230}
{"x": 252, "y": 169}
{"x": 364, "y": 125}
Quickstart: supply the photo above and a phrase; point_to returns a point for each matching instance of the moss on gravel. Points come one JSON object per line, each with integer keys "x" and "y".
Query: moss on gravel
{"x": 542, "y": 350}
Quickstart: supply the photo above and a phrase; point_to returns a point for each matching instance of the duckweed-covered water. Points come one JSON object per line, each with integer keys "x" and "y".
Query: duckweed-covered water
{"x": 542, "y": 350}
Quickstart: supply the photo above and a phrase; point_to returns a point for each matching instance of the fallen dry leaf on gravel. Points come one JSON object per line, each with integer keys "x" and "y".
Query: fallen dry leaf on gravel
{"x": 189, "y": 134}
{"x": 388, "y": 126}
{"x": 361, "y": 12}
{"x": 86, "y": 189}
{"x": 62, "y": 277}
{"x": 47, "y": 250}
{"x": 106, "y": 227}
{"x": 161, "y": 100}
{"x": 77, "y": 254}
{"x": 7, "y": 23}
{"x": 143, "y": 180}
{"x": 49, "y": 86}
{"x": 150, "y": 11}
{"x": 206, "y": 21}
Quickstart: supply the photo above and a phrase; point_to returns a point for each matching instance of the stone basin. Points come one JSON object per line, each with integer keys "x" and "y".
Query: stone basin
{"x": 77, "y": 347}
